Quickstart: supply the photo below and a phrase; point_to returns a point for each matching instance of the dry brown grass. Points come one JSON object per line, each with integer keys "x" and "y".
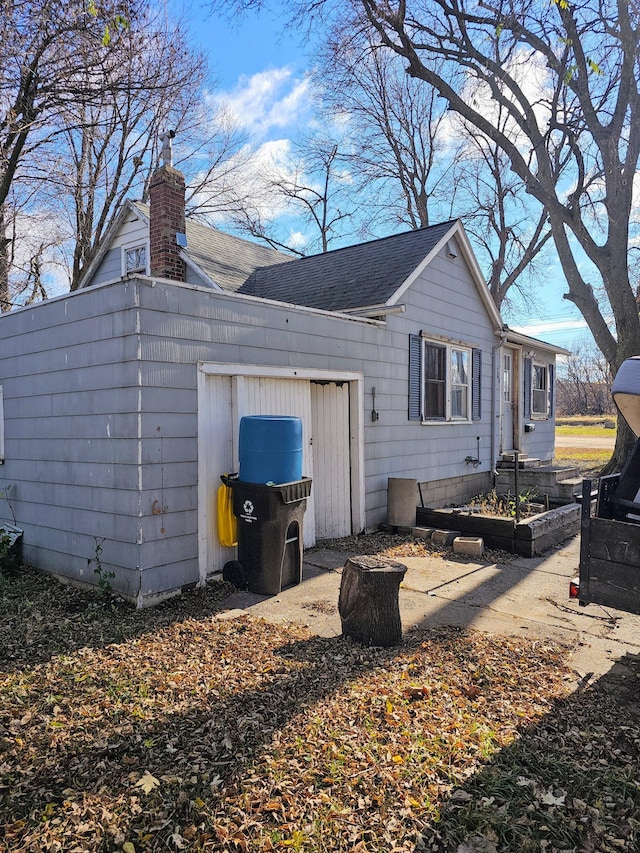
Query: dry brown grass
{"x": 589, "y": 461}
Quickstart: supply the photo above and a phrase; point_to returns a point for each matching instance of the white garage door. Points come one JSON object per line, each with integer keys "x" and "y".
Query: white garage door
{"x": 268, "y": 396}
{"x": 216, "y": 457}
{"x": 324, "y": 410}
{"x": 331, "y": 458}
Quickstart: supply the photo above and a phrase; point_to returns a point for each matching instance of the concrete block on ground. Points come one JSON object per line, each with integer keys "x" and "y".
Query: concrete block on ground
{"x": 444, "y": 537}
{"x": 469, "y": 546}
{"x": 236, "y": 613}
{"x": 423, "y": 532}
{"x": 569, "y": 489}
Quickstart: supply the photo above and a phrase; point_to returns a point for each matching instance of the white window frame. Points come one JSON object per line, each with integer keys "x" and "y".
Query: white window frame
{"x": 536, "y": 413}
{"x": 130, "y": 247}
{"x": 449, "y": 348}
{"x": 507, "y": 373}
{"x": 1, "y": 426}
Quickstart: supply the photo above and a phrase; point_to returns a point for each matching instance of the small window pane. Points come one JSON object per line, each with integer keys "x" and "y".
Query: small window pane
{"x": 136, "y": 259}
{"x": 459, "y": 363}
{"x": 435, "y": 381}
{"x": 539, "y": 377}
{"x": 506, "y": 378}
{"x": 539, "y": 396}
{"x": 459, "y": 384}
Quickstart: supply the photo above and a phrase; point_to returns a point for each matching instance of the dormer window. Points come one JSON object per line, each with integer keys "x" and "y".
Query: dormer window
{"x": 135, "y": 259}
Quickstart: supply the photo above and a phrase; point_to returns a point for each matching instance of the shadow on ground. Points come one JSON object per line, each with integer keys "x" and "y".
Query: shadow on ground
{"x": 202, "y": 734}
{"x": 42, "y": 618}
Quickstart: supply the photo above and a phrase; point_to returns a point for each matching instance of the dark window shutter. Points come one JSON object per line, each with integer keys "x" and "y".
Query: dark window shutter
{"x": 527, "y": 387}
{"x": 476, "y": 386}
{"x": 415, "y": 352}
{"x": 551, "y": 388}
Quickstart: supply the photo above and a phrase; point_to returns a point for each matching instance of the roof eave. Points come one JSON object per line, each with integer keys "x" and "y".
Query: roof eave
{"x": 188, "y": 260}
{"x": 376, "y": 310}
{"x": 514, "y": 337}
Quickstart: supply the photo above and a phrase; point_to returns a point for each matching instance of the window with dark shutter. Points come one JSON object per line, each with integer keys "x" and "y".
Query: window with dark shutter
{"x": 476, "y": 373}
{"x": 415, "y": 351}
{"x": 551, "y": 388}
{"x": 526, "y": 381}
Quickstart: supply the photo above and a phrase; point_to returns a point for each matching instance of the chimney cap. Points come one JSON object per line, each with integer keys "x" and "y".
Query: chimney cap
{"x": 166, "y": 152}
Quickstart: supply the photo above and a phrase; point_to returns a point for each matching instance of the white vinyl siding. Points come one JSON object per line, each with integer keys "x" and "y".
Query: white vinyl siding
{"x": 537, "y": 388}
{"x": 1, "y": 426}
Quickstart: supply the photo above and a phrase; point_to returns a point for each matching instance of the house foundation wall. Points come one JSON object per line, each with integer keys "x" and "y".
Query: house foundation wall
{"x": 454, "y": 491}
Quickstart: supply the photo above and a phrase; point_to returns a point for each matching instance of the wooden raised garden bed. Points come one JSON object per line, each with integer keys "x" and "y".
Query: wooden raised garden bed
{"x": 529, "y": 537}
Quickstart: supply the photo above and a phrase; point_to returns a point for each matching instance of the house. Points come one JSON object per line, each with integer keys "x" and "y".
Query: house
{"x": 120, "y": 402}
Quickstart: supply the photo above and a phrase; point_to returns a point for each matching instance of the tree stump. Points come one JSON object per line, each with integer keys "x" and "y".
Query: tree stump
{"x": 368, "y": 601}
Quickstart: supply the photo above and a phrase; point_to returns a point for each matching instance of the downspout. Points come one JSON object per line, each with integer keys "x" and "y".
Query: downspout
{"x": 495, "y": 380}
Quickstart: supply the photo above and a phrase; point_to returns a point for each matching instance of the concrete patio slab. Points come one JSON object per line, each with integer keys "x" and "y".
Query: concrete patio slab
{"x": 520, "y": 597}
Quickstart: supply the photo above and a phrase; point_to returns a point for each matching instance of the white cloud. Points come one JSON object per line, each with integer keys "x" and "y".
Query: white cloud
{"x": 270, "y": 100}
{"x": 297, "y": 240}
{"x": 532, "y": 76}
{"x": 40, "y": 234}
{"x": 247, "y": 181}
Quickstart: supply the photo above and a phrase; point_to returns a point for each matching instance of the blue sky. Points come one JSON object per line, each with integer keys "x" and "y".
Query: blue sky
{"x": 259, "y": 67}
{"x": 252, "y": 44}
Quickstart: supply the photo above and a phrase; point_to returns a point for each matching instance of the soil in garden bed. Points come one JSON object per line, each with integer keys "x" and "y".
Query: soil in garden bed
{"x": 528, "y": 538}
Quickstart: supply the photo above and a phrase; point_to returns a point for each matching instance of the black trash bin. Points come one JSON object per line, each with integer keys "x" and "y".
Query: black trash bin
{"x": 270, "y": 533}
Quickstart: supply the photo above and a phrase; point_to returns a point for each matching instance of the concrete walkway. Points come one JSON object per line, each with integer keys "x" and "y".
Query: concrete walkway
{"x": 522, "y": 597}
{"x": 601, "y": 442}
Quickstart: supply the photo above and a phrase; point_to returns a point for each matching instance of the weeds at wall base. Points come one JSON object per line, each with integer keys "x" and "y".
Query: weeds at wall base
{"x": 104, "y": 577}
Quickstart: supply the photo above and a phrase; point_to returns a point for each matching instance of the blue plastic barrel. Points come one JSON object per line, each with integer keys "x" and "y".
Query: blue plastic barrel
{"x": 270, "y": 449}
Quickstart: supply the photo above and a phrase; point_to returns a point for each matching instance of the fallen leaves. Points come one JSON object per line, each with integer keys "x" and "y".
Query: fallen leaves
{"x": 552, "y": 798}
{"x": 147, "y": 782}
{"x": 198, "y": 734}
{"x": 397, "y": 545}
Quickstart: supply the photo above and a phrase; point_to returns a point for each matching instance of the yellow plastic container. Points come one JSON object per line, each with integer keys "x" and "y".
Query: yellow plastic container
{"x": 227, "y": 524}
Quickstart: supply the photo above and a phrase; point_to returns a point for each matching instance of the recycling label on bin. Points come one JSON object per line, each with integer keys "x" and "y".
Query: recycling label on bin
{"x": 247, "y": 512}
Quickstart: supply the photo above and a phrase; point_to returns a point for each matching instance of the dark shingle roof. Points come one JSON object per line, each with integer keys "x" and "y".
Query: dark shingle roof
{"x": 226, "y": 259}
{"x": 353, "y": 277}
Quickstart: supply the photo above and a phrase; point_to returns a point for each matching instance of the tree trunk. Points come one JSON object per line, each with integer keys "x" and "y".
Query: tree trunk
{"x": 625, "y": 441}
{"x": 5, "y": 301}
{"x": 368, "y": 602}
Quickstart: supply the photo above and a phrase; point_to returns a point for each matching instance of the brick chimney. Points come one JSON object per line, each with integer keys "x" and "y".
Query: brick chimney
{"x": 166, "y": 220}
